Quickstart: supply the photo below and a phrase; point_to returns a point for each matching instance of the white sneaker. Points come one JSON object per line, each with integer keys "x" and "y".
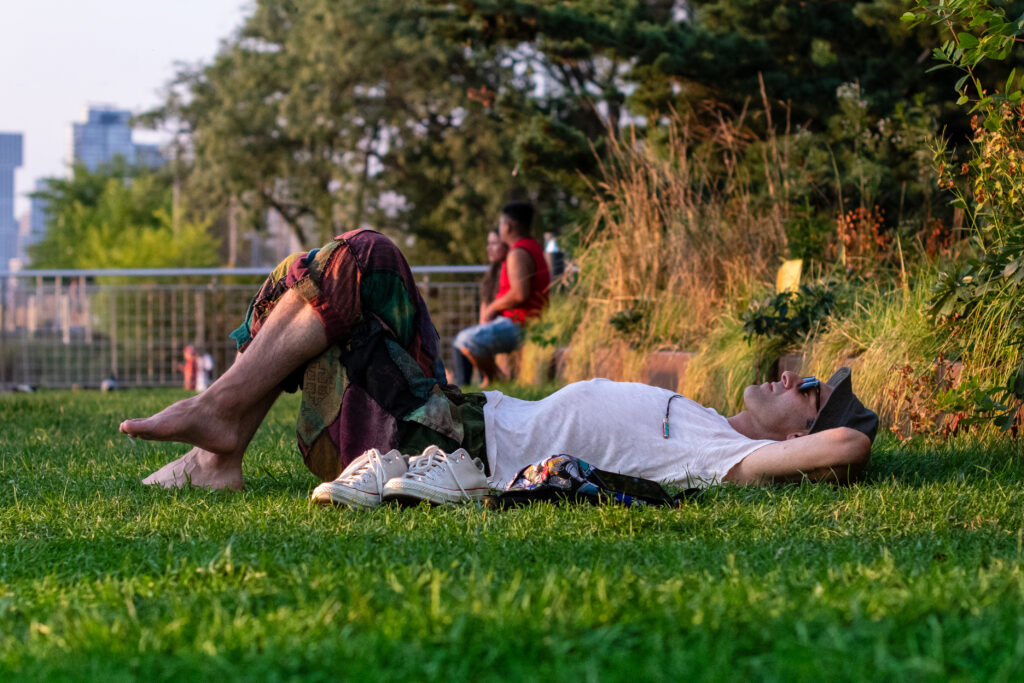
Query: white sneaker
{"x": 361, "y": 483}
{"x": 439, "y": 478}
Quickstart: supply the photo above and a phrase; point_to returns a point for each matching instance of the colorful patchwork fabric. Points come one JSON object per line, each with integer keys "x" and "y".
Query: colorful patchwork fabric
{"x": 381, "y": 384}
{"x": 566, "y": 477}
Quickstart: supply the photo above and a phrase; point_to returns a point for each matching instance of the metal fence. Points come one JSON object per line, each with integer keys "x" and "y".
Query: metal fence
{"x": 65, "y": 328}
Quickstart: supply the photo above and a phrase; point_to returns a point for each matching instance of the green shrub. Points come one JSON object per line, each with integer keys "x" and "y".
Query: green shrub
{"x": 981, "y": 301}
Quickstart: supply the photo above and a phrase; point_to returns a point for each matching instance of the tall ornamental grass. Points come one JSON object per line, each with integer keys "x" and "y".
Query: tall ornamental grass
{"x": 687, "y": 234}
{"x": 680, "y": 238}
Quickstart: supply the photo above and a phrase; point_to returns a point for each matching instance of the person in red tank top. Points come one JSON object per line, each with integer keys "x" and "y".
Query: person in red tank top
{"x": 522, "y": 295}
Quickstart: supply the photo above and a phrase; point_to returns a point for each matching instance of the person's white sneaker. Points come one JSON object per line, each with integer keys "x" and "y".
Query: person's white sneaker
{"x": 439, "y": 478}
{"x": 361, "y": 483}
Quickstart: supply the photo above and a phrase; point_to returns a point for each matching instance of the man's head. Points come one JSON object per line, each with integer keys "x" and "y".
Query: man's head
{"x": 796, "y": 406}
{"x": 515, "y": 221}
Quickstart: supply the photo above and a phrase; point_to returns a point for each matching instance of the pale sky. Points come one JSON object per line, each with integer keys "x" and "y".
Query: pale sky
{"x": 59, "y": 56}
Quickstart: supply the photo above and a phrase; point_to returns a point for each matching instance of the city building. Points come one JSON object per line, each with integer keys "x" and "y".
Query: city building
{"x": 105, "y": 134}
{"x": 33, "y": 227}
{"x": 10, "y": 159}
{"x": 37, "y": 217}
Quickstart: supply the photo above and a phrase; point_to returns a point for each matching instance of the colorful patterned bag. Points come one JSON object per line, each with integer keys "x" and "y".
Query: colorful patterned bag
{"x": 567, "y": 478}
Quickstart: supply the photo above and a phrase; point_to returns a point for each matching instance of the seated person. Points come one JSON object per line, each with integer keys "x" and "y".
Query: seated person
{"x": 462, "y": 368}
{"x": 347, "y": 325}
{"x": 522, "y": 295}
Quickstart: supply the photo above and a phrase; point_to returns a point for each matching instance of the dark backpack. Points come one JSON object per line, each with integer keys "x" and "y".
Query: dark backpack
{"x": 561, "y": 478}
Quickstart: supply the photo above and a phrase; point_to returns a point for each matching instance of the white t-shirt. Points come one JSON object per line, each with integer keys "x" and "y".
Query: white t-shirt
{"x": 614, "y": 426}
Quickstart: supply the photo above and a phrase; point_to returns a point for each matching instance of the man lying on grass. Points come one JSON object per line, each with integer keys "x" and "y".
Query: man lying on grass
{"x": 346, "y": 323}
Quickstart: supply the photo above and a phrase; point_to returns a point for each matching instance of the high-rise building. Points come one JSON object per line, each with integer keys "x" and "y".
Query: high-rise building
{"x": 10, "y": 159}
{"x": 33, "y": 228}
{"x": 106, "y": 133}
{"x": 37, "y": 219}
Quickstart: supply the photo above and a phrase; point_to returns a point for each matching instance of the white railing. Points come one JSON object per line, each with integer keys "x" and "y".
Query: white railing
{"x": 205, "y": 272}
{"x": 64, "y": 328}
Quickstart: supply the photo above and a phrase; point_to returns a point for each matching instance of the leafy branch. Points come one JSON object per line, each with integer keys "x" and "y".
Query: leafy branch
{"x": 985, "y": 296}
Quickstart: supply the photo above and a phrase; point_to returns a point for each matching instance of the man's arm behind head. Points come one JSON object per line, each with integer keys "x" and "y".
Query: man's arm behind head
{"x": 838, "y": 455}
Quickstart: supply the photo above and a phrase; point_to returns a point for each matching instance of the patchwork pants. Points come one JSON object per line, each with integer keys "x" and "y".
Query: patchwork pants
{"x": 381, "y": 382}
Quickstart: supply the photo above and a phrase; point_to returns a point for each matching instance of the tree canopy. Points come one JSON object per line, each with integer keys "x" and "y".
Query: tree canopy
{"x": 118, "y": 217}
{"x": 421, "y": 117}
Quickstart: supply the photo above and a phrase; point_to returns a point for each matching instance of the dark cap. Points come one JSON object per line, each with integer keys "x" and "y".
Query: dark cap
{"x": 843, "y": 409}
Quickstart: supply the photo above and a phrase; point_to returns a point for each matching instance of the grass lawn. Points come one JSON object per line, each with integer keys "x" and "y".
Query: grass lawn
{"x": 915, "y": 574}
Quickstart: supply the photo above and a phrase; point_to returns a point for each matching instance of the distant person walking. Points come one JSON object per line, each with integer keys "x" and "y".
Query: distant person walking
{"x": 522, "y": 295}
{"x": 462, "y": 368}
{"x": 204, "y": 370}
{"x": 554, "y": 256}
{"x": 189, "y": 367}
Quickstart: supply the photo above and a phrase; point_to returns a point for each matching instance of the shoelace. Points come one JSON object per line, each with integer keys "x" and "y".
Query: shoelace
{"x": 434, "y": 456}
{"x": 375, "y": 464}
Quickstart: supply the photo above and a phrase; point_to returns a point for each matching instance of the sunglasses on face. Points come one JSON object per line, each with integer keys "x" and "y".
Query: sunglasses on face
{"x": 808, "y": 383}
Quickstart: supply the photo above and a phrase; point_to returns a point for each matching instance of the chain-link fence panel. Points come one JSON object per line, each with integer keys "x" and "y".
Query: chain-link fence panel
{"x": 63, "y": 329}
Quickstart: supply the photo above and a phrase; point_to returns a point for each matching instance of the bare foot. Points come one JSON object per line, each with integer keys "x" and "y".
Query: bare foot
{"x": 219, "y": 438}
{"x": 199, "y": 468}
{"x": 192, "y": 421}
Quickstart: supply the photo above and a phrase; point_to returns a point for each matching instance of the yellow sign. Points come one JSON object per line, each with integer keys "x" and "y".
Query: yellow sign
{"x": 788, "y": 279}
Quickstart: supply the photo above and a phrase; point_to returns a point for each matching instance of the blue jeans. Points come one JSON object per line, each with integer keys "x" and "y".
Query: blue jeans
{"x": 500, "y": 335}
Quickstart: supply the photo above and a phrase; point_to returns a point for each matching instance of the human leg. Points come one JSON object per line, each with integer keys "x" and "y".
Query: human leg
{"x": 211, "y": 470}
{"x": 375, "y": 380}
{"x": 480, "y": 343}
{"x": 461, "y": 368}
{"x": 487, "y": 366}
{"x": 221, "y": 421}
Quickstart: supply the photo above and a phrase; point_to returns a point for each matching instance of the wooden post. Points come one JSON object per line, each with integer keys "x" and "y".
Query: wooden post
{"x": 174, "y": 330}
{"x": 113, "y": 334}
{"x": 86, "y": 309}
{"x": 149, "y": 336}
{"x": 200, "y": 317}
{"x": 162, "y": 361}
{"x": 138, "y": 337}
{"x": 64, "y": 309}
{"x": 39, "y": 291}
{"x": 30, "y": 315}
{"x": 216, "y": 298}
